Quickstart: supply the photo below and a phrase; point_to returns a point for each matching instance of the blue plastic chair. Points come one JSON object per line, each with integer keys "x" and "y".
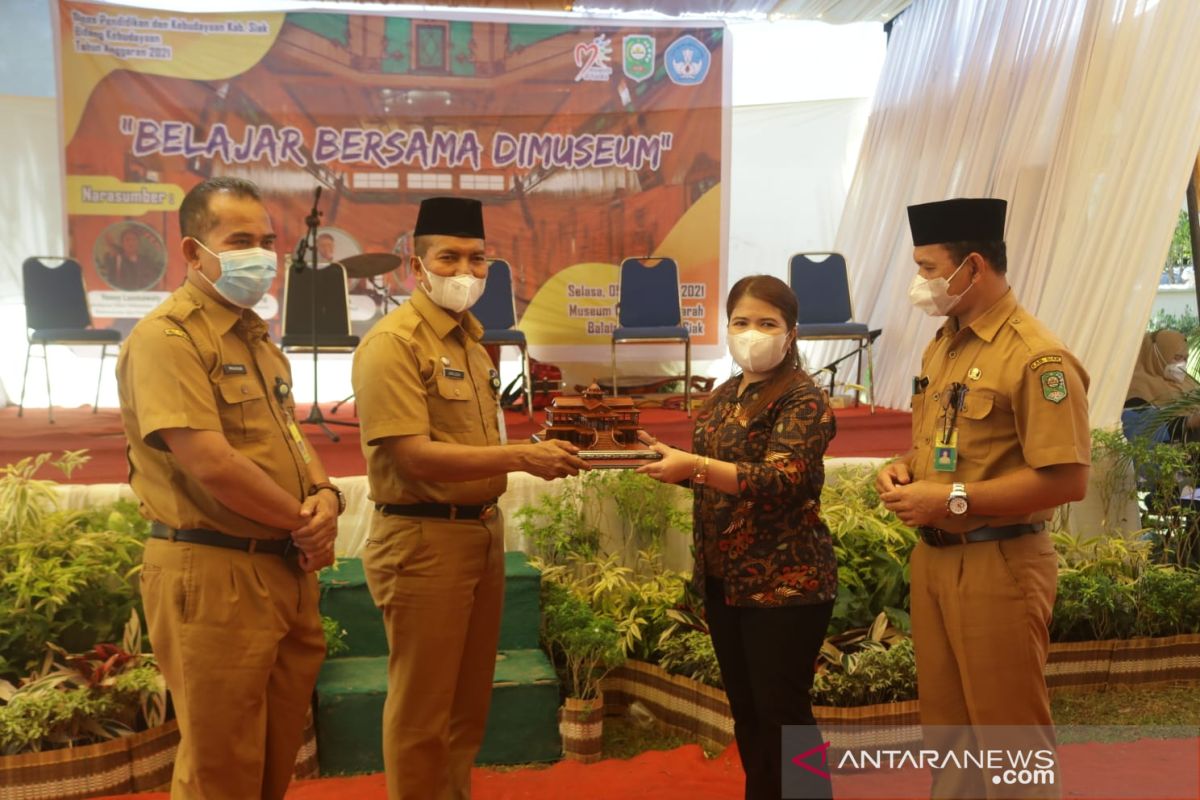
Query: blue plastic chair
{"x": 496, "y": 310}
{"x": 649, "y": 312}
{"x": 823, "y": 292}
{"x": 56, "y": 312}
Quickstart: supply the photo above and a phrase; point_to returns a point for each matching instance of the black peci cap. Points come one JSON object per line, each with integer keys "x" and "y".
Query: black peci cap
{"x": 450, "y": 216}
{"x": 963, "y": 219}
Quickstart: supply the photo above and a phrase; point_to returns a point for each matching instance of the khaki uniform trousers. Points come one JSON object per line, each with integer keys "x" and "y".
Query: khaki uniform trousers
{"x": 440, "y": 586}
{"x": 980, "y": 621}
{"x": 238, "y": 638}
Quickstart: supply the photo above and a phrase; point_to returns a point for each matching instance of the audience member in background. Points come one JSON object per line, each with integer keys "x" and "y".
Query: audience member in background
{"x": 1160, "y": 379}
{"x": 764, "y": 558}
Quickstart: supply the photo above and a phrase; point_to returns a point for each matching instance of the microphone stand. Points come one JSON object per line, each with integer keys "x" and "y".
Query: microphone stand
{"x": 309, "y": 243}
{"x": 831, "y": 367}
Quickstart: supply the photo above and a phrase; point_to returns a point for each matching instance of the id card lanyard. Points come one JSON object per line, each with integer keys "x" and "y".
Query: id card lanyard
{"x": 945, "y": 445}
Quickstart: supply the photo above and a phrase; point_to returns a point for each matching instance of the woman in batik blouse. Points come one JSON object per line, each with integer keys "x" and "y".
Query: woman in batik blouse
{"x": 764, "y": 558}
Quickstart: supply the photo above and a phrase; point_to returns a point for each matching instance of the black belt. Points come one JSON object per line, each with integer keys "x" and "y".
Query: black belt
{"x": 438, "y": 510}
{"x": 275, "y": 547}
{"x": 936, "y": 537}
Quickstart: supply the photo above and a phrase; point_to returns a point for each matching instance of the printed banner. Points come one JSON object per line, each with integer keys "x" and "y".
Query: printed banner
{"x": 587, "y": 143}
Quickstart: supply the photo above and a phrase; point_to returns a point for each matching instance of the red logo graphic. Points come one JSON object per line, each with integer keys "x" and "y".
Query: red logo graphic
{"x": 823, "y": 749}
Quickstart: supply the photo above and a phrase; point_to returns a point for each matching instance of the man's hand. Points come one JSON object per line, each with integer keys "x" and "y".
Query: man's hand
{"x": 893, "y": 474}
{"x": 319, "y": 512}
{"x": 552, "y": 459}
{"x": 317, "y": 560}
{"x": 916, "y": 504}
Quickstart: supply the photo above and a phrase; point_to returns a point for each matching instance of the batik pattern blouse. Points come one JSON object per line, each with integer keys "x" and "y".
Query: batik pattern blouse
{"x": 768, "y": 544}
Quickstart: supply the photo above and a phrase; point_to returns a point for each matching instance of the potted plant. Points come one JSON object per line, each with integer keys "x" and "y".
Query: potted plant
{"x": 584, "y": 647}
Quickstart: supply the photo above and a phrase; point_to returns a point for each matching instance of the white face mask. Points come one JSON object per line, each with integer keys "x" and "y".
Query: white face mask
{"x": 455, "y": 294}
{"x": 933, "y": 296}
{"x": 246, "y": 275}
{"x": 1175, "y": 372}
{"x": 757, "y": 352}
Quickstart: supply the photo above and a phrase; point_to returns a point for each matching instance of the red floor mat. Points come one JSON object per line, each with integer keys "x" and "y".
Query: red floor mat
{"x": 1149, "y": 768}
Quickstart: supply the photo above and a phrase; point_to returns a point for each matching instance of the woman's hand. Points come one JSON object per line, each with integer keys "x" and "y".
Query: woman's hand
{"x": 674, "y": 467}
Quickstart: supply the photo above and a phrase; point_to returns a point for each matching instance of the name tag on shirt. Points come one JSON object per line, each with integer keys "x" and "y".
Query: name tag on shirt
{"x": 457, "y": 374}
{"x": 299, "y": 440}
{"x": 233, "y": 369}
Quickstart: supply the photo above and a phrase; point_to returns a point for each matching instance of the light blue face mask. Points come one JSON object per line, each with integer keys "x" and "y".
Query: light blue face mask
{"x": 246, "y": 275}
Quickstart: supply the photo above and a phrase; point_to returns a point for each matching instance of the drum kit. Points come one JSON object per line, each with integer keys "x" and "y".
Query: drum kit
{"x": 370, "y": 293}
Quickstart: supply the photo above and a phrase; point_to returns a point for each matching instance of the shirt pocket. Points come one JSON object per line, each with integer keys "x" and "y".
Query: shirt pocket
{"x": 452, "y": 406}
{"x": 977, "y": 426}
{"x": 242, "y": 404}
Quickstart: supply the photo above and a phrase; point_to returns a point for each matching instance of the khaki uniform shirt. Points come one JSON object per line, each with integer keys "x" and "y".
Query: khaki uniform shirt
{"x": 195, "y": 363}
{"x": 419, "y": 371}
{"x": 1025, "y": 405}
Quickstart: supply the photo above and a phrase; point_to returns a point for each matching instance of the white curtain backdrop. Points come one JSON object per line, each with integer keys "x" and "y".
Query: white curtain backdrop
{"x": 1083, "y": 114}
{"x": 31, "y": 200}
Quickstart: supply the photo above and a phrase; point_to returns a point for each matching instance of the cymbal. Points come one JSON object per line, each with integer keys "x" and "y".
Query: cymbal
{"x": 368, "y": 265}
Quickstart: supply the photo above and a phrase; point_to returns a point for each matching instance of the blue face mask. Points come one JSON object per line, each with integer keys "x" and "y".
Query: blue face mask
{"x": 246, "y": 275}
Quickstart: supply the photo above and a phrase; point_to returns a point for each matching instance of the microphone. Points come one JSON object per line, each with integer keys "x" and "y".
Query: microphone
{"x": 301, "y": 252}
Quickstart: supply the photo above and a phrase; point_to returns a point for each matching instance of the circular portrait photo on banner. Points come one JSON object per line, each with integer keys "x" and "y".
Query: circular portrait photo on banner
{"x": 130, "y": 256}
{"x": 334, "y": 244}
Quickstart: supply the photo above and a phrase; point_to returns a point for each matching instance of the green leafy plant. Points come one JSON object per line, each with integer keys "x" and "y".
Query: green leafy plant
{"x": 1163, "y": 473}
{"x": 871, "y": 675}
{"x": 872, "y": 547}
{"x": 647, "y": 508}
{"x": 66, "y": 577}
{"x": 1095, "y": 604}
{"x": 639, "y": 607}
{"x": 73, "y": 700}
{"x": 562, "y": 523}
{"x": 584, "y": 645}
{"x": 29, "y": 504}
{"x": 1114, "y": 556}
{"x": 567, "y": 523}
{"x": 335, "y": 637}
{"x": 690, "y": 653}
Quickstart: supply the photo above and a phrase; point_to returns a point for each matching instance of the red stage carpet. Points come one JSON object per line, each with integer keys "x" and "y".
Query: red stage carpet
{"x": 1147, "y": 768}
{"x": 885, "y": 433}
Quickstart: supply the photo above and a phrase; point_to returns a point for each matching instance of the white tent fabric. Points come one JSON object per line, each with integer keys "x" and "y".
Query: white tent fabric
{"x": 1083, "y": 114}
{"x": 840, "y": 11}
{"x": 31, "y": 213}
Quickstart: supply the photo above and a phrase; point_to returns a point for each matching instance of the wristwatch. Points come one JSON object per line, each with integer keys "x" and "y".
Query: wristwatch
{"x": 957, "y": 501}
{"x": 341, "y": 498}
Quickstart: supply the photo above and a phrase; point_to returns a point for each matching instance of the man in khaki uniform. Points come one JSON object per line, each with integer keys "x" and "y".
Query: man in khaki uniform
{"x": 426, "y": 394}
{"x": 243, "y": 512}
{"x": 1000, "y": 439}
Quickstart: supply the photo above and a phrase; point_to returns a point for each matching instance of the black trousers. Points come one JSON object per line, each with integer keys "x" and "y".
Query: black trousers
{"x": 767, "y": 657}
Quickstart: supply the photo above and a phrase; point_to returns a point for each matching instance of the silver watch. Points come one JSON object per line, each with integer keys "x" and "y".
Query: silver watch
{"x": 957, "y": 501}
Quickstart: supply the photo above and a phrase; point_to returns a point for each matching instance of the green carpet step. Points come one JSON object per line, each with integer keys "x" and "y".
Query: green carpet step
{"x": 345, "y": 597}
{"x": 522, "y": 604}
{"x": 522, "y": 724}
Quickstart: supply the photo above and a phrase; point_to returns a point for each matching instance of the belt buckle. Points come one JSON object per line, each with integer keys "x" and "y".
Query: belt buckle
{"x": 453, "y": 511}
{"x": 489, "y": 511}
{"x": 935, "y": 537}
{"x": 289, "y": 547}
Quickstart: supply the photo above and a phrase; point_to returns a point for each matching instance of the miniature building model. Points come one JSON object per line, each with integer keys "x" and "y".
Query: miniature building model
{"x": 593, "y": 421}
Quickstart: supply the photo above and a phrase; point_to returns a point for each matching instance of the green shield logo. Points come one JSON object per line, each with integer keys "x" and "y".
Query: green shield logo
{"x": 639, "y": 57}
